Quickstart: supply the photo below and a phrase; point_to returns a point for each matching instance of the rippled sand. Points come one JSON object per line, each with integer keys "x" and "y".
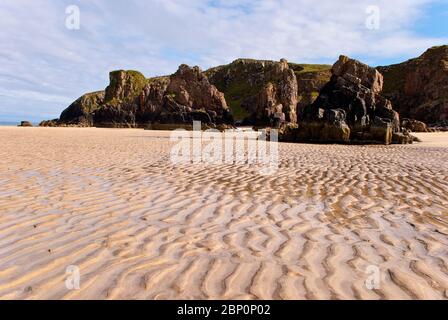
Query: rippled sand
{"x": 138, "y": 227}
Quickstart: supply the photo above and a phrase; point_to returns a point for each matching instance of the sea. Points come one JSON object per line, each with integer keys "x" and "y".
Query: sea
{"x": 9, "y": 123}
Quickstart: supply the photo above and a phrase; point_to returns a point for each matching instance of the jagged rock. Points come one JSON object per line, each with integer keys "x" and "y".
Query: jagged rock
{"x": 25, "y": 124}
{"x": 330, "y": 129}
{"x": 381, "y": 131}
{"x": 190, "y": 97}
{"x": 418, "y": 88}
{"x": 49, "y": 123}
{"x": 151, "y": 101}
{"x": 404, "y": 137}
{"x": 318, "y": 132}
{"x": 121, "y": 100}
{"x": 124, "y": 86}
{"x": 439, "y": 126}
{"x": 355, "y": 89}
{"x": 81, "y": 111}
{"x": 257, "y": 90}
{"x": 131, "y": 100}
{"x": 190, "y": 87}
{"x": 358, "y": 73}
{"x": 414, "y": 125}
{"x": 311, "y": 78}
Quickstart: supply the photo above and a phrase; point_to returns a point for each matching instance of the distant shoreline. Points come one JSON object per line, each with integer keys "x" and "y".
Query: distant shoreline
{"x": 9, "y": 123}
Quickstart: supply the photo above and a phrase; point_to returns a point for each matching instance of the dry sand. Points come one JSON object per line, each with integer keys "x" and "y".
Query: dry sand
{"x": 138, "y": 227}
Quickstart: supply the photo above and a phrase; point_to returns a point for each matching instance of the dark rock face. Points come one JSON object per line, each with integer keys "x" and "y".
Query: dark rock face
{"x": 414, "y": 125}
{"x": 350, "y": 100}
{"x": 191, "y": 87}
{"x": 49, "y": 123}
{"x": 440, "y": 126}
{"x": 418, "y": 88}
{"x": 131, "y": 100}
{"x": 311, "y": 78}
{"x": 25, "y": 124}
{"x": 403, "y": 137}
{"x": 257, "y": 91}
{"x": 81, "y": 111}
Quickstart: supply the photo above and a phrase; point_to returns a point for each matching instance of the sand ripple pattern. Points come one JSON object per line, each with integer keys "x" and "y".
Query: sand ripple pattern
{"x": 138, "y": 227}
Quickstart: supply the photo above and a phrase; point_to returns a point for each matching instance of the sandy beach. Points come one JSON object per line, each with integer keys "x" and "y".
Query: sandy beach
{"x": 110, "y": 202}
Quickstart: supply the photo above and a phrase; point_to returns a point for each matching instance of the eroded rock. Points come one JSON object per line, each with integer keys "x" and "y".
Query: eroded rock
{"x": 414, "y": 125}
{"x": 418, "y": 88}
{"x": 25, "y": 124}
{"x": 258, "y": 91}
{"x": 355, "y": 89}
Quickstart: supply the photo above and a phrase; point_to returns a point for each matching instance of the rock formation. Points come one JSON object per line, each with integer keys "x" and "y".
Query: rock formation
{"x": 418, "y": 88}
{"x": 25, "y": 124}
{"x": 311, "y": 78}
{"x": 81, "y": 111}
{"x": 349, "y": 108}
{"x": 49, "y": 123}
{"x": 122, "y": 106}
{"x": 349, "y": 102}
{"x": 258, "y": 91}
{"x": 414, "y": 125}
{"x": 192, "y": 88}
{"x": 131, "y": 100}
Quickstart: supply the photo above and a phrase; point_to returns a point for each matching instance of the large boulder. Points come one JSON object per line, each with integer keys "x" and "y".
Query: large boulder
{"x": 355, "y": 89}
{"x": 25, "y": 124}
{"x": 258, "y": 92}
{"x": 414, "y": 125}
{"x": 418, "y": 88}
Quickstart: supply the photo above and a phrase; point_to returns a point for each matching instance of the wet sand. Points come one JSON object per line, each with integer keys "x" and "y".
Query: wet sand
{"x": 137, "y": 226}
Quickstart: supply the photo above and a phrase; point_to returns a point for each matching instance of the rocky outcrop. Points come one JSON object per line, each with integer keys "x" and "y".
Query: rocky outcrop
{"x": 440, "y": 126}
{"x": 124, "y": 86}
{"x": 257, "y": 91}
{"x": 350, "y": 108}
{"x": 128, "y": 100}
{"x": 311, "y": 78}
{"x": 418, "y": 88}
{"x": 414, "y": 125}
{"x": 190, "y": 87}
{"x": 348, "y": 102}
{"x": 131, "y": 100}
{"x": 81, "y": 111}
{"x": 358, "y": 73}
{"x": 49, "y": 123}
{"x": 25, "y": 124}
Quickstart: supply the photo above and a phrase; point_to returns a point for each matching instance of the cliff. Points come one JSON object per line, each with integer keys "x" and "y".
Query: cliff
{"x": 258, "y": 91}
{"x": 350, "y": 99}
{"x": 418, "y": 88}
{"x": 131, "y": 100}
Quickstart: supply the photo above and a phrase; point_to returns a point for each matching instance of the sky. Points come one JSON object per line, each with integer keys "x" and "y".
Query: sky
{"x": 46, "y": 62}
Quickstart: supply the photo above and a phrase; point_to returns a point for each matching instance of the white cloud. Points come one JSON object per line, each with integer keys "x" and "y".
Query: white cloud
{"x": 40, "y": 58}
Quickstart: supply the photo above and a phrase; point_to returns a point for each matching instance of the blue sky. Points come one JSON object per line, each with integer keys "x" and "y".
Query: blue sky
{"x": 46, "y": 66}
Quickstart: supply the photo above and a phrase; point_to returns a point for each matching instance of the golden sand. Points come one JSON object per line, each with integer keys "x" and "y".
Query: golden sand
{"x": 110, "y": 202}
